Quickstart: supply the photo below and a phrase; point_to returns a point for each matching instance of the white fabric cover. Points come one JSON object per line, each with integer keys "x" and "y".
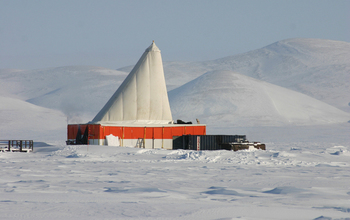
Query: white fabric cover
{"x": 142, "y": 96}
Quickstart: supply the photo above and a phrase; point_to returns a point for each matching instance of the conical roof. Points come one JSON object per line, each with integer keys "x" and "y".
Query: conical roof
{"x": 142, "y": 97}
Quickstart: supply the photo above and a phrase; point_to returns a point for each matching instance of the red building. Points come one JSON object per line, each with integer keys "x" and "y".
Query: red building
{"x": 148, "y": 136}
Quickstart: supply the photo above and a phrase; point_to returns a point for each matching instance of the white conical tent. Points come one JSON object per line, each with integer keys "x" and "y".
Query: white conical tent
{"x": 142, "y": 97}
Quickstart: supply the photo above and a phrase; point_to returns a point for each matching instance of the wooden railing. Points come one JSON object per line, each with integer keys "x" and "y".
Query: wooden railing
{"x": 16, "y": 145}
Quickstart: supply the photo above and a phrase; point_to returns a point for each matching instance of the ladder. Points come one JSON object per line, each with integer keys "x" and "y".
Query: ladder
{"x": 140, "y": 143}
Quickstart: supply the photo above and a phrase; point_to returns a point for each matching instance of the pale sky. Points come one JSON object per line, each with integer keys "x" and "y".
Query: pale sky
{"x": 38, "y": 34}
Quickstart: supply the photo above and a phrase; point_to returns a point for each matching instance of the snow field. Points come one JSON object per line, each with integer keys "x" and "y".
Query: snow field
{"x": 100, "y": 182}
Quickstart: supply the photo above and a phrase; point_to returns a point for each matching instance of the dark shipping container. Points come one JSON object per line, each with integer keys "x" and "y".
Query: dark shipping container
{"x": 205, "y": 142}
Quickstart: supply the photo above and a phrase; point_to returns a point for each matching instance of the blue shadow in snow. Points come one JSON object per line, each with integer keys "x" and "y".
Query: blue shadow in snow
{"x": 134, "y": 190}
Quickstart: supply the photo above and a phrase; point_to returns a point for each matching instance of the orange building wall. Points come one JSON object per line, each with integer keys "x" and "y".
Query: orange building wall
{"x": 97, "y": 131}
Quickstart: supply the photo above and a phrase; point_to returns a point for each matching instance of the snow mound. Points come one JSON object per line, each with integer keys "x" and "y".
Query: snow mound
{"x": 222, "y": 191}
{"x": 283, "y": 190}
{"x": 231, "y": 99}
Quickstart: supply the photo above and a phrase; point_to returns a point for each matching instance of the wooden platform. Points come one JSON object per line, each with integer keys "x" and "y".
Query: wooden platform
{"x": 16, "y": 145}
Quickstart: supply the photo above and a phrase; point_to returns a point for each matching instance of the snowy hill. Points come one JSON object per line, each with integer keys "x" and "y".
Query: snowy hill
{"x": 318, "y": 68}
{"x": 315, "y": 67}
{"x": 231, "y": 99}
{"x": 22, "y": 120}
{"x": 78, "y": 91}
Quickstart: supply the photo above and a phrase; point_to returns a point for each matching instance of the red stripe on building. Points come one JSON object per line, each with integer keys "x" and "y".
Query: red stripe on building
{"x": 97, "y": 131}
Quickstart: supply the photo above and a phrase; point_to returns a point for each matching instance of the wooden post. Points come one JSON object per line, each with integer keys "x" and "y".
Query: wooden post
{"x": 122, "y": 138}
{"x": 144, "y": 138}
{"x": 152, "y": 138}
{"x": 104, "y": 134}
{"x": 163, "y": 137}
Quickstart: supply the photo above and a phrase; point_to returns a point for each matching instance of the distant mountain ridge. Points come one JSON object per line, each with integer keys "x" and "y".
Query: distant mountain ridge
{"x": 315, "y": 67}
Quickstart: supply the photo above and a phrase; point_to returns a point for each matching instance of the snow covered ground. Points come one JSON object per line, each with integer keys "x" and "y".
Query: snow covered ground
{"x": 288, "y": 181}
{"x": 303, "y": 174}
